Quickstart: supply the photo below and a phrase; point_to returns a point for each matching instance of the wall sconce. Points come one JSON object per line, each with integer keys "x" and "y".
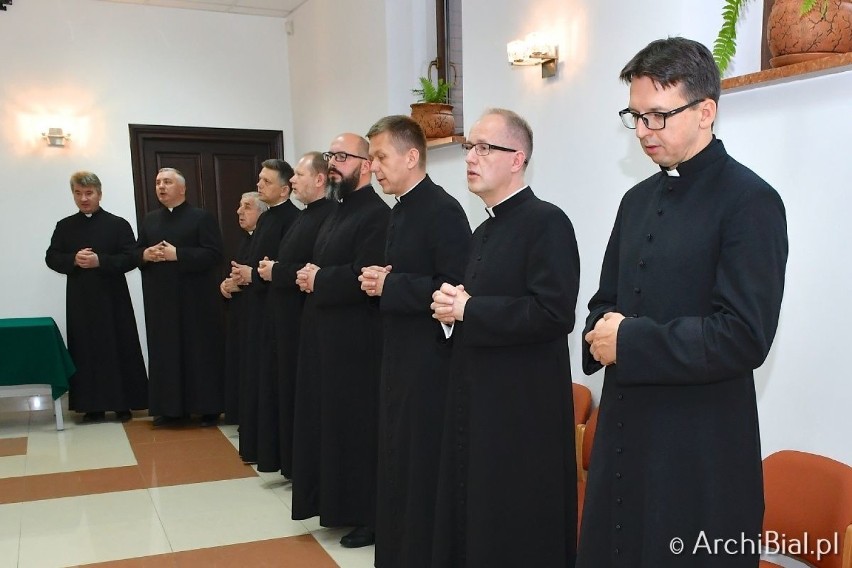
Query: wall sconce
{"x": 55, "y": 137}
{"x": 535, "y": 49}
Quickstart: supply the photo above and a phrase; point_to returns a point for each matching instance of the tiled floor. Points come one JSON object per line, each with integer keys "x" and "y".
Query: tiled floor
{"x": 126, "y": 495}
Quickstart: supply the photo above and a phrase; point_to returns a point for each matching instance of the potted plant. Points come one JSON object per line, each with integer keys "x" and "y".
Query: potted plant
{"x": 433, "y": 112}
{"x": 794, "y": 28}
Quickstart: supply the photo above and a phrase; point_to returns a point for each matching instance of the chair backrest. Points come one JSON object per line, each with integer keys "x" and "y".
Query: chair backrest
{"x": 589, "y": 438}
{"x": 582, "y": 403}
{"x": 809, "y": 494}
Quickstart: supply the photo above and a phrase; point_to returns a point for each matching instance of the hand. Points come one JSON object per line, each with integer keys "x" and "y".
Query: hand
{"x": 264, "y": 268}
{"x": 86, "y": 258}
{"x": 603, "y": 338}
{"x": 372, "y": 279}
{"x": 169, "y": 251}
{"x": 153, "y": 253}
{"x": 306, "y": 276}
{"x": 448, "y": 303}
{"x": 228, "y": 287}
{"x": 240, "y": 273}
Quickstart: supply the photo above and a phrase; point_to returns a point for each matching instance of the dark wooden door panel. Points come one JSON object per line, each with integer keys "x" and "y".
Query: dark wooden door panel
{"x": 219, "y": 164}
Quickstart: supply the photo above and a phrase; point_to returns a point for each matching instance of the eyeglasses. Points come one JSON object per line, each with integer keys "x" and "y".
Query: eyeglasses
{"x": 484, "y": 148}
{"x": 340, "y": 156}
{"x": 652, "y": 120}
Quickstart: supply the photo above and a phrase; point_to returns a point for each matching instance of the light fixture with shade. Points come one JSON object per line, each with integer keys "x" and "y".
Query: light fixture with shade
{"x": 535, "y": 49}
{"x": 55, "y": 137}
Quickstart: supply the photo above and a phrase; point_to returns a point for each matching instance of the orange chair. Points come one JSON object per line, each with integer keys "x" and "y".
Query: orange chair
{"x": 808, "y": 495}
{"x": 586, "y": 438}
{"x": 582, "y": 409}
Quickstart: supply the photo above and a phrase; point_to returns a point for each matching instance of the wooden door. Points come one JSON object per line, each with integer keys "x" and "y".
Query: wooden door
{"x": 220, "y": 164}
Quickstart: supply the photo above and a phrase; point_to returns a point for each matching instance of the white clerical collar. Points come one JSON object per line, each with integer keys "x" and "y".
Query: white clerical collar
{"x": 406, "y": 192}
{"x": 250, "y": 233}
{"x": 672, "y": 172}
{"x": 490, "y": 210}
{"x": 171, "y": 209}
{"x": 89, "y": 215}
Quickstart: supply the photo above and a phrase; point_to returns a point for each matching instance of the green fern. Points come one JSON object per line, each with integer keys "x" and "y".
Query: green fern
{"x": 430, "y": 92}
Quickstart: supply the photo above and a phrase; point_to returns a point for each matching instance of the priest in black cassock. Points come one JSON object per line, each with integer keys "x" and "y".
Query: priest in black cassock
{"x": 507, "y": 493}
{"x": 273, "y": 184}
{"x": 427, "y": 245}
{"x": 688, "y": 304}
{"x": 337, "y": 383}
{"x": 94, "y": 249}
{"x": 180, "y": 255}
{"x": 284, "y": 316}
{"x": 251, "y": 207}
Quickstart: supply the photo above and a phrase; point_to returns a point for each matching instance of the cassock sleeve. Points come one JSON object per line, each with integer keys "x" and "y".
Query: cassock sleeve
{"x": 339, "y": 285}
{"x": 208, "y": 250}
{"x": 408, "y": 293}
{"x": 56, "y": 256}
{"x": 606, "y": 298}
{"x": 124, "y": 258}
{"x": 746, "y": 301}
{"x": 546, "y": 312}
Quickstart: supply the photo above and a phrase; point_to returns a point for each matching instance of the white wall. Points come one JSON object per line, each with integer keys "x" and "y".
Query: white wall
{"x": 95, "y": 67}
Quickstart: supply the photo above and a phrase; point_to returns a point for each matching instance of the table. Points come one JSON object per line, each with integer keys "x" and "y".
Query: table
{"x": 34, "y": 360}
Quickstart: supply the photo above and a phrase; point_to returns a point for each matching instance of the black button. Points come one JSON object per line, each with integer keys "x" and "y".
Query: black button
{"x": 617, "y": 551}
{"x": 620, "y": 424}
{"x": 659, "y": 211}
{"x": 618, "y": 527}
{"x": 637, "y": 290}
{"x": 479, "y": 257}
{"x": 650, "y": 237}
{"x": 618, "y": 450}
{"x": 617, "y": 475}
{"x": 620, "y": 397}
{"x": 642, "y": 263}
{"x": 619, "y": 500}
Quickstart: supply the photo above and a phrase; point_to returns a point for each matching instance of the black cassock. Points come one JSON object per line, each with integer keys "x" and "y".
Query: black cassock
{"x": 271, "y": 227}
{"x": 102, "y": 335}
{"x": 280, "y": 353}
{"x": 427, "y": 245}
{"x": 237, "y": 324}
{"x": 697, "y": 264}
{"x": 337, "y": 381}
{"x": 183, "y": 312}
{"x": 507, "y": 493}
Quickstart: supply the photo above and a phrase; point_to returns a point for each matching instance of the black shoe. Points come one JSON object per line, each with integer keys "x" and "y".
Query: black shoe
{"x": 358, "y": 537}
{"x": 123, "y": 415}
{"x": 165, "y": 421}
{"x": 90, "y": 417}
{"x": 208, "y": 420}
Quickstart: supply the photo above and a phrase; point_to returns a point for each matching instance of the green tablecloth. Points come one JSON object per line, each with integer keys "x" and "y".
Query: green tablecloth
{"x": 32, "y": 352}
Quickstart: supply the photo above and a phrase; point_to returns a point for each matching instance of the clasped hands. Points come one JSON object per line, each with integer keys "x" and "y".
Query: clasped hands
{"x": 306, "y": 276}
{"x": 86, "y": 258}
{"x": 162, "y": 251}
{"x": 372, "y": 279}
{"x": 448, "y": 303}
{"x": 603, "y": 338}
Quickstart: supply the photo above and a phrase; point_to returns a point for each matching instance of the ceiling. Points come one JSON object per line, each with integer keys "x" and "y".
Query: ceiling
{"x": 274, "y": 8}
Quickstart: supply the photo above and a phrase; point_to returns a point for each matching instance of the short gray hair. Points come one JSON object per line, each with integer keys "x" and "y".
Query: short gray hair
{"x": 175, "y": 171}
{"x": 85, "y": 179}
{"x": 261, "y": 205}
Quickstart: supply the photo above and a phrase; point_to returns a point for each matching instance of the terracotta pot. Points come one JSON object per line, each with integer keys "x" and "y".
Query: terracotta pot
{"x": 436, "y": 119}
{"x": 817, "y": 34}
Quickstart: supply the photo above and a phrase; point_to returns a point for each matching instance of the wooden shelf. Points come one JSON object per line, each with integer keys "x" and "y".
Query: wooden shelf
{"x": 814, "y": 68}
{"x": 441, "y": 142}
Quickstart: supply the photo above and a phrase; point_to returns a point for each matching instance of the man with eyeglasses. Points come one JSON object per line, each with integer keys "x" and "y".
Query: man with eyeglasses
{"x": 509, "y": 420}
{"x": 337, "y": 381}
{"x": 427, "y": 245}
{"x": 688, "y": 304}
{"x": 273, "y": 185}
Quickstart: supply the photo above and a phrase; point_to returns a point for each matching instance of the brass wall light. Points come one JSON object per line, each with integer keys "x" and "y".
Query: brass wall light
{"x": 55, "y": 137}
{"x": 535, "y": 49}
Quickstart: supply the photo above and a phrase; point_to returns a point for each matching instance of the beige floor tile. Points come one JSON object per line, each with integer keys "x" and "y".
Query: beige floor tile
{"x": 10, "y": 533}
{"x": 88, "y": 446}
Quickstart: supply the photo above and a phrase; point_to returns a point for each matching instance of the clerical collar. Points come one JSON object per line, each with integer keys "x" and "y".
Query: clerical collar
{"x": 709, "y": 154}
{"x": 89, "y": 215}
{"x": 406, "y": 192}
{"x": 490, "y": 210}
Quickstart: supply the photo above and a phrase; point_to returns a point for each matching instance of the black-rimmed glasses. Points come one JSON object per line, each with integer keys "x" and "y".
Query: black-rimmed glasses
{"x": 652, "y": 120}
{"x": 484, "y": 148}
{"x": 340, "y": 156}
